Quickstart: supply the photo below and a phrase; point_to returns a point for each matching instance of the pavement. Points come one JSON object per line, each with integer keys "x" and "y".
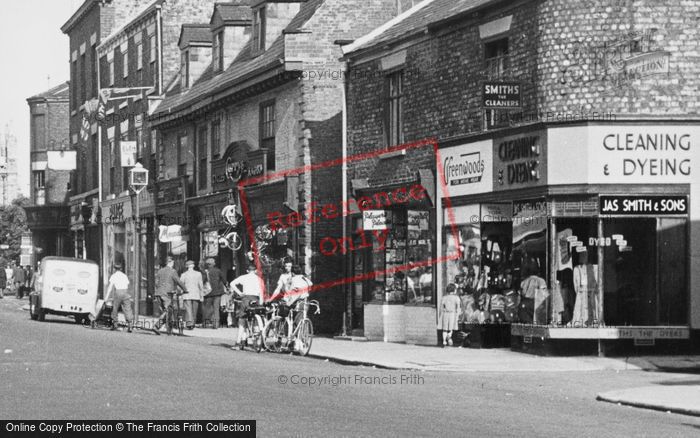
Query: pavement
{"x": 681, "y": 397}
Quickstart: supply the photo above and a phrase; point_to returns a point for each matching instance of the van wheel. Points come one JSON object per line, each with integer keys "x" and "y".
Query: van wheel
{"x": 41, "y": 314}
{"x": 32, "y": 311}
{"x": 81, "y": 319}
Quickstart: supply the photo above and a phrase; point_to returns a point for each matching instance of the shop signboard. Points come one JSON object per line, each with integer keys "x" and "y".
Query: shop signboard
{"x": 574, "y": 208}
{"x": 644, "y": 205}
{"x": 643, "y": 154}
{"x": 520, "y": 161}
{"x": 529, "y": 217}
{"x": 497, "y": 95}
{"x": 467, "y": 169}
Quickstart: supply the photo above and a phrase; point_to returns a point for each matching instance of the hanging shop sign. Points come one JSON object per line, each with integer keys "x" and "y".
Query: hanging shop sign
{"x": 128, "y": 153}
{"x": 498, "y": 95}
{"x": 418, "y": 220}
{"x": 644, "y": 205}
{"x": 520, "y": 161}
{"x": 467, "y": 169}
{"x": 171, "y": 233}
{"x": 643, "y": 154}
{"x": 374, "y": 220}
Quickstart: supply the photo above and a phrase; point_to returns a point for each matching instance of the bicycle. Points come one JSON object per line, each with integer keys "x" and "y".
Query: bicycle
{"x": 282, "y": 333}
{"x": 254, "y": 324}
{"x": 173, "y": 316}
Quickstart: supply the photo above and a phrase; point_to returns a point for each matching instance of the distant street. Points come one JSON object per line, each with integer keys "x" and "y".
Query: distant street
{"x": 60, "y": 370}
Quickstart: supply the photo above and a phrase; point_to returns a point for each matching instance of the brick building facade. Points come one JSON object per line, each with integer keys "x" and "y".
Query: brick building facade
{"x": 270, "y": 102}
{"x": 51, "y": 160}
{"x": 93, "y": 21}
{"x": 586, "y": 73}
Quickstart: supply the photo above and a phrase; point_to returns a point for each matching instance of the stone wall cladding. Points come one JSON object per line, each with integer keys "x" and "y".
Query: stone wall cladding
{"x": 574, "y": 32}
{"x": 444, "y": 70}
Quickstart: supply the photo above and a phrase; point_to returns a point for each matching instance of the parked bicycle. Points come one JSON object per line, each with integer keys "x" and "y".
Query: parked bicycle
{"x": 174, "y": 318}
{"x": 289, "y": 328}
{"x": 254, "y": 324}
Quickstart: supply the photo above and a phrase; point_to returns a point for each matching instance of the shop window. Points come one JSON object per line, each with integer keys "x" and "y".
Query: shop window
{"x": 267, "y": 131}
{"x": 408, "y": 240}
{"x": 575, "y": 299}
{"x": 497, "y": 58}
{"x": 394, "y": 108}
{"x": 645, "y": 280}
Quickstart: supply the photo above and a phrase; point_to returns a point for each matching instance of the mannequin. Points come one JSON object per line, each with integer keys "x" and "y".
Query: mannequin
{"x": 586, "y": 287}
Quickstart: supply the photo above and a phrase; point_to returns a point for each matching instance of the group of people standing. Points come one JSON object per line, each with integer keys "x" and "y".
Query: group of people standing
{"x": 16, "y": 279}
{"x": 208, "y": 287}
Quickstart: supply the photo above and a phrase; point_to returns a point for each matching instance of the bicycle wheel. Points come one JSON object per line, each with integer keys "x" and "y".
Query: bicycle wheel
{"x": 304, "y": 338}
{"x": 257, "y": 330}
{"x": 271, "y": 336}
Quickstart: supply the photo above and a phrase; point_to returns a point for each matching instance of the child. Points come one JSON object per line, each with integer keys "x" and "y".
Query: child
{"x": 450, "y": 309}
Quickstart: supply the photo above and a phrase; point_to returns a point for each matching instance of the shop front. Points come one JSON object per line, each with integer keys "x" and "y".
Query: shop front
{"x": 172, "y": 223}
{"x": 575, "y": 233}
{"x": 208, "y": 229}
{"x": 119, "y": 238}
{"x": 392, "y": 258}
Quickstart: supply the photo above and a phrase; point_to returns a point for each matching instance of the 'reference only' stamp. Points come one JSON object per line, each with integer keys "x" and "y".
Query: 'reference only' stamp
{"x": 374, "y": 233}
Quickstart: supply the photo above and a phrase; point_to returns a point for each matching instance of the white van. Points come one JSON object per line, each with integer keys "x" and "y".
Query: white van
{"x": 64, "y": 286}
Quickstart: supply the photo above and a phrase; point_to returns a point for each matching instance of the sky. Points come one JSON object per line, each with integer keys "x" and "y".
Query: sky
{"x": 35, "y": 58}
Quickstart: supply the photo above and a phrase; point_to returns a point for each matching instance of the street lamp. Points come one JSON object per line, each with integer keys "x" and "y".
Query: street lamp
{"x": 138, "y": 180}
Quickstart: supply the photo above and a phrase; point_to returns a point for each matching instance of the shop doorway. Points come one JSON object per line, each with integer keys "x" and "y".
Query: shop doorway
{"x": 629, "y": 272}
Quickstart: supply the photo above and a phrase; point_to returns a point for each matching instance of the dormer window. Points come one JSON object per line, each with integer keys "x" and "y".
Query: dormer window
{"x": 185, "y": 69}
{"x": 218, "y": 51}
{"x": 258, "y": 37}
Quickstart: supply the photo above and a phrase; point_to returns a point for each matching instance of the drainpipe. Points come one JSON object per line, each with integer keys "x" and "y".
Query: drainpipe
{"x": 347, "y": 311}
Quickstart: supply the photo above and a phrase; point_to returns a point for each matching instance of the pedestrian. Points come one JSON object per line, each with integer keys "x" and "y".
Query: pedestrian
{"x": 3, "y": 282}
{"x": 284, "y": 282}
{"x": 18, "y": 278}
{"x": 249, "y": 287}
{"x": 195, "y": 287}
{"x": 28, "y": 279}
{"x": 119, "y": 285}
{"x": 167, "y": 282}
{"x": 450, "y": 309}
{"x": 212, "y": 300}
